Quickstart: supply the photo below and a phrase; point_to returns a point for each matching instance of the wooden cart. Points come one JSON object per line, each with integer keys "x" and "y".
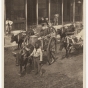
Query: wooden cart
{"x": 48, "y": 40}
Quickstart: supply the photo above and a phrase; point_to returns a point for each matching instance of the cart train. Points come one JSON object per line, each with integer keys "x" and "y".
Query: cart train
{"x": 48, "y": 38}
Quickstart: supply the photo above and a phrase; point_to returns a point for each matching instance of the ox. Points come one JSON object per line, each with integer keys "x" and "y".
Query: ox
{"x": 19, "y": 38}
{"x": 66, "y": 43}
{"x": 22, "y": 57}
{"x": 64, "y": 30}
{"x": 69, "y": 43}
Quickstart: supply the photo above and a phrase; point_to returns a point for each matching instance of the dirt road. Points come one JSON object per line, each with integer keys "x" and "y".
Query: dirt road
{"x": 64, "y": 73}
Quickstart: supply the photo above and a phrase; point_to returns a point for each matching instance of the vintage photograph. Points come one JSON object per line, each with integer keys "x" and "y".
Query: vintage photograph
{"x": 43, "y": 43}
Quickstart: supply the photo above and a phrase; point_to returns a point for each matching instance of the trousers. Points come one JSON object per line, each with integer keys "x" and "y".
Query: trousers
{"x": 37, "y": 65}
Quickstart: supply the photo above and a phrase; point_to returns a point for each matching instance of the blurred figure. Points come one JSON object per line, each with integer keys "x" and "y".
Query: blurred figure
{"x": 56, "y": 19}
{"x": 41, "y": 20}
{"x": 46, "y": 21}
{"x": 8, "y": 26}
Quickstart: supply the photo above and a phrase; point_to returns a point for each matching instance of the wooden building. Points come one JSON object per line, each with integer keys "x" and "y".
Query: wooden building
{"x": 29, "y": 12}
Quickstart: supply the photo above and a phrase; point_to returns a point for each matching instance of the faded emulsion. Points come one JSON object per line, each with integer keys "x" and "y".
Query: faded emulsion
{"x": 43, "y": 43}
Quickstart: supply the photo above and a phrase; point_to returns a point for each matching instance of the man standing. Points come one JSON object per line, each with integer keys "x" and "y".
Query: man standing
{"x": 56, "y": 19}
{"x": 8, "y": 26}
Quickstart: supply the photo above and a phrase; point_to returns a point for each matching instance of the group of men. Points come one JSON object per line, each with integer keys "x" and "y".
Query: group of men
{"x": 46, "y": 20}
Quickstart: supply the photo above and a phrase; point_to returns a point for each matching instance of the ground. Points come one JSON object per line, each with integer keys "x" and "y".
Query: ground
{"x": 63, "y": 73}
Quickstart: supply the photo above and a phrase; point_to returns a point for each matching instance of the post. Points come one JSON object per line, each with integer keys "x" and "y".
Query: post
{"x": 49, "y": 11}
{"x": 57, "y": 6}
{"x": 4, "y": 21}
{"x": 37, "y": 12}
{"x": 74, "y": 13}
{"x": 26, "y": 13}
{"x": 82, "y": 10}
{"x": 62, "y": 13}
{"x": 4, "y": 17}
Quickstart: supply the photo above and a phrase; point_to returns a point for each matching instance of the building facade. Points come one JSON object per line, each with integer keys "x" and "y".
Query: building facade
{"x": 30, "y": 11}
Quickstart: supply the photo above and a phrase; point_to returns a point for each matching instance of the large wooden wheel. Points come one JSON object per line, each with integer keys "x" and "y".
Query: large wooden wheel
{"x": 51, "y": 50}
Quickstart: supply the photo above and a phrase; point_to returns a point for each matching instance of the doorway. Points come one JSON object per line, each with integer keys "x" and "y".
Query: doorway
{"x": 31, "y": 12}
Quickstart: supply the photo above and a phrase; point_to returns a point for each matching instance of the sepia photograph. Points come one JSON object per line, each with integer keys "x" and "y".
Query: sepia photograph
{"x": 43, "y": 43}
